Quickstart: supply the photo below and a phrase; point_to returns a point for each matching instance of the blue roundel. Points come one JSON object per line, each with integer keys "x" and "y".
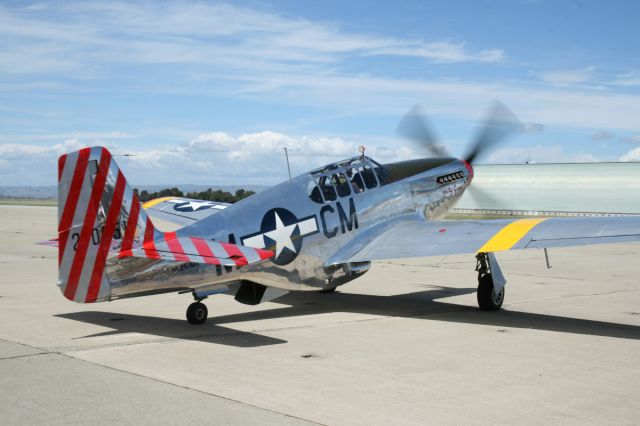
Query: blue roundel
{"x": 282, "y": 232}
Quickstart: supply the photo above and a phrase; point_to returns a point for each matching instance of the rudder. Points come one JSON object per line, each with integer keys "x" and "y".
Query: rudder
{"x": 99, "y": 218}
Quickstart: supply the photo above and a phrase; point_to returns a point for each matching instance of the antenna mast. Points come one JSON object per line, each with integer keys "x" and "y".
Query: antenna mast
{"x": 286, "y": 154}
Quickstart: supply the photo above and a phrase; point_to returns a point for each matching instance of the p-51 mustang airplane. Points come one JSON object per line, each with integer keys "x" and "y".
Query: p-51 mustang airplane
{"x": 314, "y": 232}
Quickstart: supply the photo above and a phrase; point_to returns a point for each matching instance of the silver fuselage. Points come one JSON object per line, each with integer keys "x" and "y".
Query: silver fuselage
{"x": 342, "y": 225}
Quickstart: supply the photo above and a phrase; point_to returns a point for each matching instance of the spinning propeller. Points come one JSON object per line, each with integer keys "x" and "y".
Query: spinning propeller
{"x": 499, "y": 123}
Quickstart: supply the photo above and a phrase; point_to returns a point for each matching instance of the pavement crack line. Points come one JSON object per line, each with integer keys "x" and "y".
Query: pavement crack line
{"x": 26, "y": 355}
{"x": 23, "y": 344}
{"x": 190, "y": 389}
{"x": 68, "y": 349}
{"x": 44, "y": 352}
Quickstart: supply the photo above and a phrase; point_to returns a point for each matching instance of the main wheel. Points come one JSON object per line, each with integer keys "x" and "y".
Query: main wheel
{"x": 488, "y": 299}
{"x": 197, "y": 313}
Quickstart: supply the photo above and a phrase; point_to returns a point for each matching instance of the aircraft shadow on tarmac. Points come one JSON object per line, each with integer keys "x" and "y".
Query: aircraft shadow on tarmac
{"x": 171, "y": 328}
{"x": 418, "y": 305}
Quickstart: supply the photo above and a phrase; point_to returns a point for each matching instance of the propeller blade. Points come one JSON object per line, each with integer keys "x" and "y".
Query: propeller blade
{"x": 500, "y": 123}
{"x": 483, "y": 199}
{"x": 415, "y": 127}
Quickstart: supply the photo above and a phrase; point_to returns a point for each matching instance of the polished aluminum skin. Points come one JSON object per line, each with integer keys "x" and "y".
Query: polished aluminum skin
{"x": 306, "y": 228}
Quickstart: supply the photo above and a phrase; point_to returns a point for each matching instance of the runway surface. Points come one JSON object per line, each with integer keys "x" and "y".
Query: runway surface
{"x": 405, "y": 344}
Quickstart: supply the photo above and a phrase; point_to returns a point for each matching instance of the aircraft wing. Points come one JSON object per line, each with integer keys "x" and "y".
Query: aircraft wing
{"x": 416, "y": 238}
{"x": 182, "y": 211}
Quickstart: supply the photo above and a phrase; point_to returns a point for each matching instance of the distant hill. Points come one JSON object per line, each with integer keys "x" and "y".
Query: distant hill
{"x": 52, "y": 191}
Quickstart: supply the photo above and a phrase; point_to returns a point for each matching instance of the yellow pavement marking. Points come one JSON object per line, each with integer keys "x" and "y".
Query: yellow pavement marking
{"x": 508, "y": 236}
{"x": 155, "y": 201}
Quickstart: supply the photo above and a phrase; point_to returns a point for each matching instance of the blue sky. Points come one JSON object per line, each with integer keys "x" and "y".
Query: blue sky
{"x": 207, "y": 92}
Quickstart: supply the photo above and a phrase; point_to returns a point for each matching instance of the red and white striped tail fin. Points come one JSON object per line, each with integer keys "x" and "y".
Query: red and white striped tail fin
{"x": 99, "y": 216}
{"x": 100, "y": 220}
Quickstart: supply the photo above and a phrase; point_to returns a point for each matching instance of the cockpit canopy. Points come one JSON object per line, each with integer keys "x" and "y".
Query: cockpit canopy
{"x": 345, "y": 178}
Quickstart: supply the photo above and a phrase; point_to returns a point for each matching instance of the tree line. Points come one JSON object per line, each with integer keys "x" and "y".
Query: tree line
{"x": 208, "y": 195}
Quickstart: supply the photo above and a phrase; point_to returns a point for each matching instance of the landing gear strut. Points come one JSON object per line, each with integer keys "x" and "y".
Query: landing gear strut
{"x": 490, "y": 293}
{"x": 197, "y": 311}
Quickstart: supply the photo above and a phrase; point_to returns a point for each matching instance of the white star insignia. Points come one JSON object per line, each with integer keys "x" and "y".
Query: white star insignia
{"x": 193, "y": 205}
{"x": 282, "y": 235}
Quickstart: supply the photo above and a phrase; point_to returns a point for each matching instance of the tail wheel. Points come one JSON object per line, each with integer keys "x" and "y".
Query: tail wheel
{"x": 197, "y": 313}
{"x": 488, "y": 298}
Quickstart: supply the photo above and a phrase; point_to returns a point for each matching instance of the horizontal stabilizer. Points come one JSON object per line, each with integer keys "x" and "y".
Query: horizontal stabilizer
{"x": 198, "y": 250}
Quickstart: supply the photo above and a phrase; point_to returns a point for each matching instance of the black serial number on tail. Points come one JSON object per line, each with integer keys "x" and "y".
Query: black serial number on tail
{"x": 96, "y": 235}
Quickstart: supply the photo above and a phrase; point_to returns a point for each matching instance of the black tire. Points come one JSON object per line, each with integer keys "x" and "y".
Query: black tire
{"x": 487, "y": 299}
{"x": 329, "y": 290}
{"x": 197, "y": 313}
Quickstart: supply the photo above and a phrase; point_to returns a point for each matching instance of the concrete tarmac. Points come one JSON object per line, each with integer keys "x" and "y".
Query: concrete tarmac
{"x": 405, "y": 344}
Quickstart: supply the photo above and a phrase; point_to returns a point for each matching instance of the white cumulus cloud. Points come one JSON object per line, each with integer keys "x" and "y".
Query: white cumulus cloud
{"x": 211, "y": 158}
{"x": 633, "y": 155}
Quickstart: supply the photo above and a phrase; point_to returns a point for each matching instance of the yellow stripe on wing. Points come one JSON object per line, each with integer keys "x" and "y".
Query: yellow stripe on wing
{"x": 508, "y": 236}
{"x": 155, "y": 201}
